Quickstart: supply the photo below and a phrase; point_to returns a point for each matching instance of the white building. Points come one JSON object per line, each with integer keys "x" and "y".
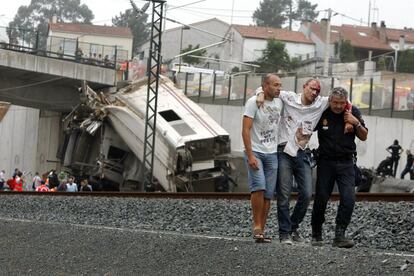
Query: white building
{"x": 248, "y": 42}
{"x": 203, "y": 33}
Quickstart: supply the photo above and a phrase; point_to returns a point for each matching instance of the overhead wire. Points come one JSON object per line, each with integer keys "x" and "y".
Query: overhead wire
{"x": 30, "y": 84}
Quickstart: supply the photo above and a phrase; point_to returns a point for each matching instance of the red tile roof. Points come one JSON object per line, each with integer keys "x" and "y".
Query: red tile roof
{"x": 98, "y": 30}
{"x": 359, "y": 36}
{"x": 394, "y": 34}
{"x": 363, "y": 37}
{"x": 268, "y": 33}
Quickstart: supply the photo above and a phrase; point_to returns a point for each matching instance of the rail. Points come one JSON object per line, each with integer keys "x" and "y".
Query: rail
{"x": 386, "y": 197}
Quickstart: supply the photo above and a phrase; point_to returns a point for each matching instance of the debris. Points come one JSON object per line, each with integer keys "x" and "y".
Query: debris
{"x": 403, "y": 267}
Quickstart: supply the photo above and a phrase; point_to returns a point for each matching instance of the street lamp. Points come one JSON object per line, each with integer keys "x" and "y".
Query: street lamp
{"x": 181, "y": 45}
{"x": 400, "y": 47}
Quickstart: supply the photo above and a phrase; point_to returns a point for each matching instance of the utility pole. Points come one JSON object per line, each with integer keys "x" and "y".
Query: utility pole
{"x": 153, "y": 72}
{"x": 327, "y": 44}
{"x": 290, "y": 15}
{"x": 400, "y": 47}
{"x": 369, "y": 13}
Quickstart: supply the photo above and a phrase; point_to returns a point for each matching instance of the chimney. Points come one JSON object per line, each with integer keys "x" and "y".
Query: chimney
{"x": 382, "y": 33}
{"x": 324, "y": 26}
{"x": 374, "y": 30}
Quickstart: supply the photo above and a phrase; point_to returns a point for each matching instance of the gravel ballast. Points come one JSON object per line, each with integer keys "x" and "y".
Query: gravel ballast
{"x": 376, "y": 225}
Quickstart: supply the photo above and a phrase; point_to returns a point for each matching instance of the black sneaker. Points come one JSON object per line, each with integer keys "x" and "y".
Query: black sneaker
{"x": 343, "y": 242}
{"x": 296, "y": 236}
{"x": 317, "y": 241}
{"x": 285, "y": 238}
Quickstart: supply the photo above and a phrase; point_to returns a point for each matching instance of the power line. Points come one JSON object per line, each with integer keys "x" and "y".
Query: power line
{"x": 30, "y": 84}
{"x": 215, "y": 14}
{"x": 216, "y": 9}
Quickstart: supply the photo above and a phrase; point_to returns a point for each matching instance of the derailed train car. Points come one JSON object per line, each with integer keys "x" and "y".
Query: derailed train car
{"x": 104, "y": 139}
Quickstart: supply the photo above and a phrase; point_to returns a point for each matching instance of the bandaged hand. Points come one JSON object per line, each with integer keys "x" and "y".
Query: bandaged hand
{"x": 301, "y": 139}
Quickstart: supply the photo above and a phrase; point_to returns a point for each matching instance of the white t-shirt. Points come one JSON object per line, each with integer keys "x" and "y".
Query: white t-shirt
{"x": 296, "y": 114}
{"x": 71, "y": 187}
{"x": 265, "y": 129}
{"x": 37, "y": 181}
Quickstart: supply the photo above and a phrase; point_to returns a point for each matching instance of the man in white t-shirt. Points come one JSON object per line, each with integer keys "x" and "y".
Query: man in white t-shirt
{"x": 260, "y": 138}
{"x": 71, "y": 186}
{"x": 36, "y": 182}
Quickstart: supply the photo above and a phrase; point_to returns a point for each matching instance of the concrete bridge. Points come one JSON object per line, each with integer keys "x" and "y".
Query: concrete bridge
{"x": 47, "y": 83}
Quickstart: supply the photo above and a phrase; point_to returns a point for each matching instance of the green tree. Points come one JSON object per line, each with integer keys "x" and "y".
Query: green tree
{"x": 36, "y": 16}
{"x": 345, "y": 50}
{"x": 405, "y": 63}
{"x": 193, "y": 60}
{"x": 271, "y": 13}
{"x": 275, "y": 57}
{"x": 275, "y": 13}
{"x": 138, "y": 25}
{"x": 305, "y": 11}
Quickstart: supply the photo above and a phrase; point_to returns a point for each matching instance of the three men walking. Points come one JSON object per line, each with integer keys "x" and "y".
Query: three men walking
{"x": 300, "y": 116}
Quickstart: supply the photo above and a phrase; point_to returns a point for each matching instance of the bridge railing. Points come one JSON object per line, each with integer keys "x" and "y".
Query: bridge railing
{"x": 72, "y": 49}
{"x": 386, "y": 97}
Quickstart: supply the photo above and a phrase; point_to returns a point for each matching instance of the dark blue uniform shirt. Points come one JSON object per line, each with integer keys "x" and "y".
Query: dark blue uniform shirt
{"x": 333, "y": 143}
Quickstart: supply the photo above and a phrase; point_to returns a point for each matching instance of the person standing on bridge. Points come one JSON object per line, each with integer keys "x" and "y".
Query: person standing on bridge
{"x": 337, "y": 152}
{"x": 260, "y": 137}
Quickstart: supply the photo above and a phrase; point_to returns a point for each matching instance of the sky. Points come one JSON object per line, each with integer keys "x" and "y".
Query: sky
{"x": 396, "y": 13}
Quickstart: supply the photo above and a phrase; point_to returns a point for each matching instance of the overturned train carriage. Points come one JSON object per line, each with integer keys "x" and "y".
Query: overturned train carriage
{"x": 105, "y": 140}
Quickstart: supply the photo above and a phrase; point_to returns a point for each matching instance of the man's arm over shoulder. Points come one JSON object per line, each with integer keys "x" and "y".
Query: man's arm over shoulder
{"x": 260, "y": 95}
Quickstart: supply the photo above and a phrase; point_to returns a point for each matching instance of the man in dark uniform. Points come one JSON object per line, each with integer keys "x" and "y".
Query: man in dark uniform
{"x": 409, "y": 166}
{"x": 395, "y": 149}
{"x": 336, "y": 164}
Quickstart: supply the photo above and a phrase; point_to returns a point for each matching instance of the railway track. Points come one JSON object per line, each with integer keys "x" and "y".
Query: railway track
{"x": 387, "y": 197}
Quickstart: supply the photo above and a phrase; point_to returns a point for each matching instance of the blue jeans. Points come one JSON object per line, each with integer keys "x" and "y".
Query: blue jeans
{"x": 289, "y": 167}
{"x": 343, "y": 173}
{"x": 263, "y": 179}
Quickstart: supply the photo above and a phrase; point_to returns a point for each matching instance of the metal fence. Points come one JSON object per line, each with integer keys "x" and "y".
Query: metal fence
{"x": 386, "y": 98}
{"x": 72, "y": 49}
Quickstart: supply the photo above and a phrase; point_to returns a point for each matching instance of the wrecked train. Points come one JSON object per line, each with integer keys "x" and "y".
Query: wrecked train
{"x": 104, "y": 139}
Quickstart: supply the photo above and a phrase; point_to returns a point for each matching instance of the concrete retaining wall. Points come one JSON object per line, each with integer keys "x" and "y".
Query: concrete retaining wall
{"x": 18, "y": 139}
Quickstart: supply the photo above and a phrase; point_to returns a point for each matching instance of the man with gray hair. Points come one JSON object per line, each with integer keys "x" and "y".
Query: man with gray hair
{"x": 337, "y": 152}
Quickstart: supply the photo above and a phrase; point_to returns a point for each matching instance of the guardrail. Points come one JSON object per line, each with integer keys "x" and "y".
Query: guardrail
{"x": 385, "y": 98}
{"x": 71, "y": 49}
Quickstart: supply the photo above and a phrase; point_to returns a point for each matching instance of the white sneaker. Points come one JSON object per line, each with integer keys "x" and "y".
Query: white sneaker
{"x": 285, "y": 238}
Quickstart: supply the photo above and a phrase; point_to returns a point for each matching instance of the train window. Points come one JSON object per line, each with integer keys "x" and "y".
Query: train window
{"x": 170, "y": 115}
{"x": 115, "y": 153}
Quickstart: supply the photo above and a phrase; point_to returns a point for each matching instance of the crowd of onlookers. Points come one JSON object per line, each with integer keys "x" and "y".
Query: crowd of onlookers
{"x": 48, "y": 182}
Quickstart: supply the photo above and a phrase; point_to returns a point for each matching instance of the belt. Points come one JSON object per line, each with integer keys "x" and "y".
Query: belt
{"x": 281, "y": 146}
